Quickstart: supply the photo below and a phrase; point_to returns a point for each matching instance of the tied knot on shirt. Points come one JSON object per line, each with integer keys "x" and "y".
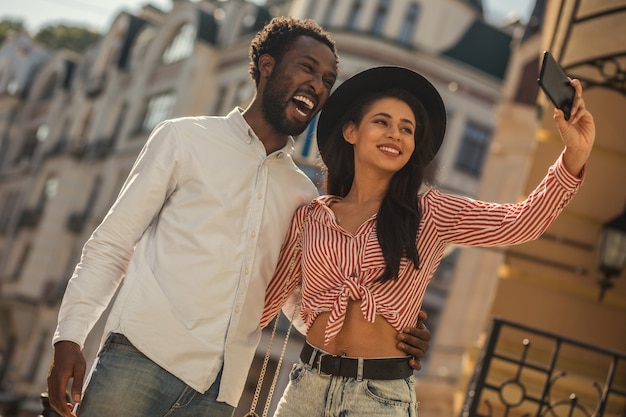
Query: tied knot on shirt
{"x": 352, "y": 289}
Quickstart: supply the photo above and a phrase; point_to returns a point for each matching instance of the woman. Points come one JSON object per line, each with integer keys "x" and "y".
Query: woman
{"x": 371, "y": 246}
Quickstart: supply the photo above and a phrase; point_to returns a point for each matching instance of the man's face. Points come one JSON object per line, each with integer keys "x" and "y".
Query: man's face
{"x": 298, "y": 85}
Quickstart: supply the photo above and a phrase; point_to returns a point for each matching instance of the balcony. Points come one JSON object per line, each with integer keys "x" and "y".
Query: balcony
{"x": 58, "y": 148}
{"x": 99, "y": 148}
{"x": 30, "y": 217}
{"x": 76, "y": 222}
{"x": 544, "y": 375}
{"x": 52, "y": 292}
{"x": 77, "y": 150}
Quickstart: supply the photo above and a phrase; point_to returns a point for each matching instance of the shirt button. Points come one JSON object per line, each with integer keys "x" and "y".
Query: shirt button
{"x": 253, "y": 234}
{"x": 259, "y": 196}
{"x": 246, "y": 271}
{"x": 237, "y": 309}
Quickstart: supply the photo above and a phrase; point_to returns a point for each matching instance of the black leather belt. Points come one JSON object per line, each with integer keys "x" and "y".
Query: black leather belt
{"x": 383, "y": 368}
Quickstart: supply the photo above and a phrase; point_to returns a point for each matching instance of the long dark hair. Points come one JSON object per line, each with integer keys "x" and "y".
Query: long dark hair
{"x": 399, "y": 215}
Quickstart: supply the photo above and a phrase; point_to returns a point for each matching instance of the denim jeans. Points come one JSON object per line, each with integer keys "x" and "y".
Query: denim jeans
{"x": 313, "y": 395}
{"x": 125, "y": 383}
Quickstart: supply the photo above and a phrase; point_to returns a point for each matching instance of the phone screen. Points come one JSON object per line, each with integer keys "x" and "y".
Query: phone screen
{"x": 554, "y": 82}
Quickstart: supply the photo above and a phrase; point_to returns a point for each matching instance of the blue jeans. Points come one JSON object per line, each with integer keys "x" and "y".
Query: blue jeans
{"x": 310, "y": 394}
{"x": 125, "y": 383}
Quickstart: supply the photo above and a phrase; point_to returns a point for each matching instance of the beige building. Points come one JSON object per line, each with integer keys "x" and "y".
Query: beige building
{"x": 551, "y": 285}
{"x": 70, "y": 133}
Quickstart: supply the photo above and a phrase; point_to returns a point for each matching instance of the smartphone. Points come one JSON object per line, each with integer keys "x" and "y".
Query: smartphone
{"x": 554, "y": 82}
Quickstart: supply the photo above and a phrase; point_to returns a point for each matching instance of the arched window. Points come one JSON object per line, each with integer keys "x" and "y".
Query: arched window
{"x": 159, "y": 108}
{"x": 355, "y": 13}
{"x": 473, "y": 149}
{"x": 330, "y": 12}
{"x": 408, "y": 24}
{"x": 378, "y": 24}
{"x": 181, "y": 46}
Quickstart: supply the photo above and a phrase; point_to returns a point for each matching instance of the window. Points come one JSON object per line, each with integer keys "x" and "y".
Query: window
{"x": 119, "y": 123}
{"x": 8, "y": 206}
{"x": 355, "y": 13}
{"x": 473, "y": 149}
{"x": 330, "y": 12}
{"x": 93, "y": 196}
{"x": 219, "y": 103}
{"x": 244, "y": 93}
{"x": 159, "y": 108}
{"x": 48, "y": 91}
{"x": 181, "y": 46}
{"x": 379, "y": 19}
{"x": 407, "y": 29}
{"x": 36, "y": 356}
{"x": 307, "y": 140}
{"x": 62, "y": 140}
{"x": 27, "y": 151}
{"x": 21, "y": 263}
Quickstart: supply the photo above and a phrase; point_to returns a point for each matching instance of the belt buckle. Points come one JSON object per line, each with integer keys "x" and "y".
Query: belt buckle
{"x": 319, "y": 365}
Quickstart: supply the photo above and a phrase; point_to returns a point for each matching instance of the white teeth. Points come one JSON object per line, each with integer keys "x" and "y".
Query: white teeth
{"x": 308, "y": 103}
{"x": 391, "y": 150}
{"x": 300, "y": 112}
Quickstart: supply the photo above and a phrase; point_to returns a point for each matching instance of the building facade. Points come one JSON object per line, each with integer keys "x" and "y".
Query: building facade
{"x": 70, "y": 132}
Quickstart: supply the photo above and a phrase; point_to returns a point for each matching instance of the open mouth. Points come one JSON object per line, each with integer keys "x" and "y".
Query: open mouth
{"x": 390, "y": 150}
{"x": 304, "y": 105}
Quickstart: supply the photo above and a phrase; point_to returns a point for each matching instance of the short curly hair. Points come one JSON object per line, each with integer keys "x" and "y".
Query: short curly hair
{"x": 276, "y": 37}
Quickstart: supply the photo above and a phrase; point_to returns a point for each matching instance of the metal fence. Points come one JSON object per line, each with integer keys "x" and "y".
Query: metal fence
{"x": 528, "y": 372}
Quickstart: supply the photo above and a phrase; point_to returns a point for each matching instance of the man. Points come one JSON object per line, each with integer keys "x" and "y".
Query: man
{"x": 195, "y": 234}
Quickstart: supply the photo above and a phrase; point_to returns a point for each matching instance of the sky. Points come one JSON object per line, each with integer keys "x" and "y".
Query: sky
{"x": 99, "y": 14}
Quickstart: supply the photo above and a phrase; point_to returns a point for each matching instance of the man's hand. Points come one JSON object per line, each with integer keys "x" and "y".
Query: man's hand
{"x": 68, "y": 362}
{"x": 414, "y": 341}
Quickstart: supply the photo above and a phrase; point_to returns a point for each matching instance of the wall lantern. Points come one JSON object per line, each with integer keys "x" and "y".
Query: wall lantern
{"x": 612, "y": 252}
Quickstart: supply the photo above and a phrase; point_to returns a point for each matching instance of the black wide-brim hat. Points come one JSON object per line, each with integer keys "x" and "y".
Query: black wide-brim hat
{"x": 379, "y": 79}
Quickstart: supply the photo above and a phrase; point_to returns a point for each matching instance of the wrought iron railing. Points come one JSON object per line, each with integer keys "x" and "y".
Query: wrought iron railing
{"x": 528, "y": 372}
{"x": 606, "y": 70}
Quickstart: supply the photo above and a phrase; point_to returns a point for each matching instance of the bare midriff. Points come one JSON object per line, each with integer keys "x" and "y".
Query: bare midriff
{"x": 358, "y": 337}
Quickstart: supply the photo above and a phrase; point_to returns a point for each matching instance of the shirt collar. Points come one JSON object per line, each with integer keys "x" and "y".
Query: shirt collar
{"x": 325, "y": 201}
{"x": 236, "y": 120}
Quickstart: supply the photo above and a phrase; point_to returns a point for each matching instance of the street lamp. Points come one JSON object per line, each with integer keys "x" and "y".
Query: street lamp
{"x": 612, "y": 253}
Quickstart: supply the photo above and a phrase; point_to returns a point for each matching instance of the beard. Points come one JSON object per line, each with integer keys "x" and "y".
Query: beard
{"x": 274, "y": 107}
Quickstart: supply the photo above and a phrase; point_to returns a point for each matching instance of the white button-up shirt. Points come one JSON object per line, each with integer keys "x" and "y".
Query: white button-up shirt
{"x": 193, "y": 238}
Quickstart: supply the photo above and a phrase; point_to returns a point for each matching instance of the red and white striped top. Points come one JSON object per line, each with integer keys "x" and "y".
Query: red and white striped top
{"x": 336, "y": 266}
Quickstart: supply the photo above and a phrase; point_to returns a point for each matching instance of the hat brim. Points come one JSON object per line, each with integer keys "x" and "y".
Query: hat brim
{"x": 379, "y": 79}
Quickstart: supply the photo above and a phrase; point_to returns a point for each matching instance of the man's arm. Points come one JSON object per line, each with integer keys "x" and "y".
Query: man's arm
{"x": 105, "y": 257}
{"x": 414, "y": 341}
{"x": 68, "y": 363}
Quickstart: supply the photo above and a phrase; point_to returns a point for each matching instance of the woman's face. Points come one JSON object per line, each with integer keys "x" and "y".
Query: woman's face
{"x": 385, "y": 137}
